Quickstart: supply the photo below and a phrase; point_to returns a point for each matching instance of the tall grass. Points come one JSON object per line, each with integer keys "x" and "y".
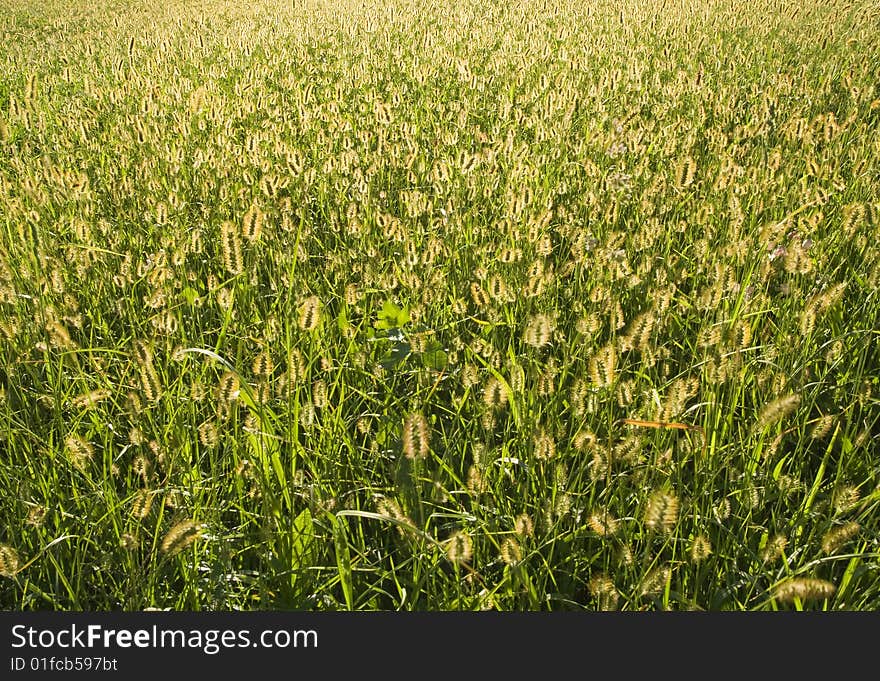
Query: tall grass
{"x": 406, "y": 305}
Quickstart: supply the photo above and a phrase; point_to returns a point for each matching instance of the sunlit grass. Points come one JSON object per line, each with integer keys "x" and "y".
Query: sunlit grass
{"x": 346, "y": 305}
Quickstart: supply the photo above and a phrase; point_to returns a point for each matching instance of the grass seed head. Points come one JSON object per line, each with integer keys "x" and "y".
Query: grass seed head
{"x": 228, "y": 387}
{"x": 91, "y": 398}
{"x": 252, "y": 224}
{"x": 539, "y": 330}
{"x": 701, "y": 548}
{"x": 9, "y": 561}
{"x": 845, "y": 499}
{"x": 603, "y": 523}
{"x": 777, "y": 410}
{"x": 544, "y": 445}
{"x": 208, "y": 434}
{"x": 416, "y": 437}
{"x": 511, "y": 551}
{"x": 230, "y": 246}
{"x": 836, "y": 537}
{"x": 804, "y": 589}
{"x": 604, "y": 591}
{"x": 524, "y": 526}
{"x": 459, "y": 548}
{"x": 143, "y": 502}
{"x": 181, "y": 535}
{"x": 495, "y": 395}
{"x": 390, "y": 508}
{"x": 79, "y": 451}
{"x": 661, "y": 511}
{"x": 655, "y": 581}
{"x": 310, "y": 313}
{"x": 774, "y": 549}
{"x": 263, "y": 364}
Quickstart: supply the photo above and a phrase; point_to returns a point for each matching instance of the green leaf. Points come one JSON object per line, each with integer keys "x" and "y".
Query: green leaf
{"x": 391, "y": 316}
{"x": 394, "y": 357}
{"x": 343, "y": 561}
{"x": 265, "y": 445}
{"x": 434, "y": 357}
{"x": 302, "y": 547}
{"x": 189, "y": 294}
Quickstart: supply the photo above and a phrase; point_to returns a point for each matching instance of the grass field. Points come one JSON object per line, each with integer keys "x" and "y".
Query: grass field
{"x": 554, "y": 305}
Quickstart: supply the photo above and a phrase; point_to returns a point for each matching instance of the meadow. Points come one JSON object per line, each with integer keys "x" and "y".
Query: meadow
{"x": 449, "y": 305}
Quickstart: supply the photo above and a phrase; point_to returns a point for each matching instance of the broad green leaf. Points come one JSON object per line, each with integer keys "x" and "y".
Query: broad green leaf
{"x": 189, "y": 295}
{"x": 391, "y": 316}
{"x": 343, "y": 561}
{"x": 302, "y": 546}
{"x": 434, "y": 357}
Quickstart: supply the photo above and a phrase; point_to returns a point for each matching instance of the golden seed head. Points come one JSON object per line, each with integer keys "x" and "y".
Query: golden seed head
{"x": 854, "y": 217}
{"x": 604, "y": 524}
{"x": 208, "y": 434}
{"x": 603, "y": 590}
{"x": 230, "y": 246}
{"x": 90, "y": 399}
{"x": 470, "y": 376}
{"x": 546, "y": 384}
{"x": 836, "y": 537}
{"x": 822, "y": 427}
{"x": 774, "y": 549}
{"x": 524, "y": 526}
{"x": 558, "y": 509}
{"x": 511, "y": 551}
{"x": 701, "y": 548}
{"x": 545, "y": 445}
{"x": 777, "y": 410}
{"x": 498, "y": 290}
{"x": 252, "y": 224}
{"x": 602, "y": 366}
{"x": 495, "y": 393}
{"x": 476, "y": 481}
{"x": 539, "y": 330}
{"x": 142, "y": 467}
{"x": 459, "y": 548}
{"x": 262, "y": 392}
{"x": 36, "y": 515}
{"x": 416, "y": 437}
{"x": 722, "y": 510}
{"x": 319, "y": 394}
{"x": 9, "y": 561}
{"x": 143, "y": 353}
{"x": 310, "y": 313}
{"x": 352, "y": 295}
{"x": 804, "y": 589}
{"x": 228, "y": 388}
{"x": 197, "y": 392}
{"x": 655, "y": 581}
{"x": 181, "y": 535}
{"x": 79, "y": 451}
{"x": 584, "y": 440}
{"x": 661, "y": 511}
{"x": 263, "y": 364}
{"x": 846, "y": 498}
{"x": 390, "y": 508}
{"x": 59, "y": 337}
{"x": 296, "y": 368}
{"x": 479, "y": 295}
{"x": 685, "y": 172}
{"x": 225, "y": 298}
{"x": 307, "y": 415}
{"x": 143, "y": 502}
{"x": 150, "y": 382}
